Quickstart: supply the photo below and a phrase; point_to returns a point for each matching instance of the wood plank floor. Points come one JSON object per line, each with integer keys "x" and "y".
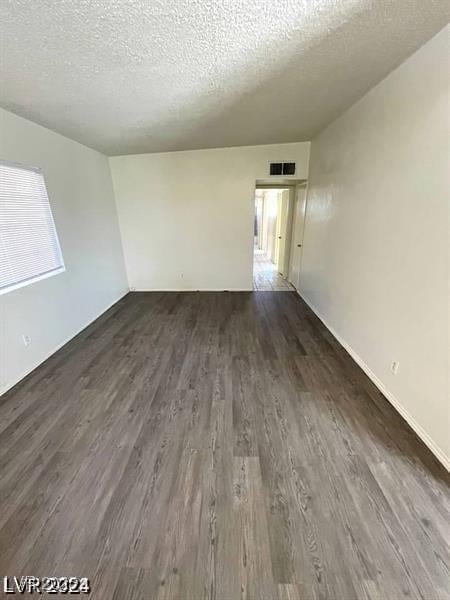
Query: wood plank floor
{"x": 217, "y": 446}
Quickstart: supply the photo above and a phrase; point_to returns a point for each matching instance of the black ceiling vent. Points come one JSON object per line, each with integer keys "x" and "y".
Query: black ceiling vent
{"x": 282, "y": 168}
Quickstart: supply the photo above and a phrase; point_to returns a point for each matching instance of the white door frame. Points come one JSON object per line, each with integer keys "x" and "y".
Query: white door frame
{"x": 297, "y": 234}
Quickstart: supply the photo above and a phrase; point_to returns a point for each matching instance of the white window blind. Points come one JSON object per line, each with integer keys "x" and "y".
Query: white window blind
{"x": 29, "y": 246}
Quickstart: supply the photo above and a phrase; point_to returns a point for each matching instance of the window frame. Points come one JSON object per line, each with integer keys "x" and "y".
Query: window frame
{"x": 46, "y": 274}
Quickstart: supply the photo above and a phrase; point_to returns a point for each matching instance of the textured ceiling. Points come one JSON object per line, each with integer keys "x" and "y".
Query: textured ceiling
{"x": 128, "y": 76}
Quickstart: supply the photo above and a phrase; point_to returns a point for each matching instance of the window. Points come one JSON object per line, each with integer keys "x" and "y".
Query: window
{"x": 29, "y": 246}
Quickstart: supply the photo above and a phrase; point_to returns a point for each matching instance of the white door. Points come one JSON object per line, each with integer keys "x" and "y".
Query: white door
{"x": 297, "y": 237}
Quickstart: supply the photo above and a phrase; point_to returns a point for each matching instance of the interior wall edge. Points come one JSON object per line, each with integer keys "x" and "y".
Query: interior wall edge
{"x": 10, "y": 384}
{"x": 119, "y": 223}
{"x": 418, "y": 429}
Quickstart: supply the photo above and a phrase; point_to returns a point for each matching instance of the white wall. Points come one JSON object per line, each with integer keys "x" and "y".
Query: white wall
{"x": 375, "y": 259}
{"x": 53, "y": 310}
{"x": 187, "y": 217}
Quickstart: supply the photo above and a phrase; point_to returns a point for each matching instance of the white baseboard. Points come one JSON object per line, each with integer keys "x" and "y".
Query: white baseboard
{"x": 132, "y": 289}
{"x": 423, "y": 435}
{"x": 11, "y": 384}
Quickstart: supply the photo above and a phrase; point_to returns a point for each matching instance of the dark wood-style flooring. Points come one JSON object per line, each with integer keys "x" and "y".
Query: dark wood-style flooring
{"x": 217, "y": 446}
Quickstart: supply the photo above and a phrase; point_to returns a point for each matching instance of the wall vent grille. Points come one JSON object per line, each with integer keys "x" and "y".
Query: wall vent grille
{"x": 282, "y": 168}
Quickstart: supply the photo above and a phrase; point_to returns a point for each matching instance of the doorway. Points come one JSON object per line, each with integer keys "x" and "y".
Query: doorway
{"x": 272, "y": 229}
{"x": 278, "y": 236}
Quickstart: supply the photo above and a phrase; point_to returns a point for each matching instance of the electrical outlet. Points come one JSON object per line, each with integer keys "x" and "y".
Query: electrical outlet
{"x": 394, "y": 367}
{"x": 26, "y": 339}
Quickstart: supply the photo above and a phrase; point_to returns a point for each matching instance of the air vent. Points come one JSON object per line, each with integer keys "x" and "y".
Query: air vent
{"x": 288, "y": 168}
{"x": 276, "y": 168}
{"x": 282, "y": 168}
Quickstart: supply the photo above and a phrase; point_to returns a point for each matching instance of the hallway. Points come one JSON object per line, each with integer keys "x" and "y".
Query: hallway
{"x": 266, "y": 276}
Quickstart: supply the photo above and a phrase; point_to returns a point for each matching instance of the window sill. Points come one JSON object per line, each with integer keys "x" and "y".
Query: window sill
{"x": 26, "y": 282}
